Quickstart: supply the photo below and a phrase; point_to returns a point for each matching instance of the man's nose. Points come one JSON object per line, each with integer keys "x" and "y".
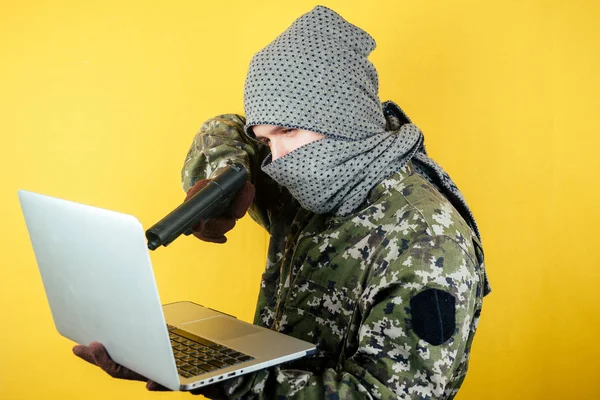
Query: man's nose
{"x": 278, "y": 150}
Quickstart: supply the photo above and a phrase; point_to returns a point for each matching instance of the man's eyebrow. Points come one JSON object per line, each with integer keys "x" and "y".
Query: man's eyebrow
{"x": 278, "y": 129}
{"x": 273, "y": 129}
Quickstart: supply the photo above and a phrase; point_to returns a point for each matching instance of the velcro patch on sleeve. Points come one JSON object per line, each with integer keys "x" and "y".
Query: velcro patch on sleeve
{"x": 433, "y": 315}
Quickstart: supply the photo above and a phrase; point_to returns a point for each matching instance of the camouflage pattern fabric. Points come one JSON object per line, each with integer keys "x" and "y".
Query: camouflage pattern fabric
{"x": 345, "y": 283}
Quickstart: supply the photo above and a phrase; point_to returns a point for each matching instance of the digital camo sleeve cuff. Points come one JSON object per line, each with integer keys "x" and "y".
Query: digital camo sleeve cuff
{"x": 219, "y": 143}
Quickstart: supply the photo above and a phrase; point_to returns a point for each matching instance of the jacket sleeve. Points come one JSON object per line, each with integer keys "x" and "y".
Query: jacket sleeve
{"x": 221, "y": 141}
{"x": 389, "y": 359}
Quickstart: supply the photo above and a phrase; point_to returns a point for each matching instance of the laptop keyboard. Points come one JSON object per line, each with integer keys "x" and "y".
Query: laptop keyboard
{"x": 195, "y": 355}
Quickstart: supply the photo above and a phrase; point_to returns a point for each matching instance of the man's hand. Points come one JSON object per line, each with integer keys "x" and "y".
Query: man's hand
{"x": 214, "y": 230}
{"x": 96, "y": 354}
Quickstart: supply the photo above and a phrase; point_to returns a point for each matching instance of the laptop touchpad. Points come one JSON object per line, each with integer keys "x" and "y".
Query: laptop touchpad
{"x": 219, "y": 328}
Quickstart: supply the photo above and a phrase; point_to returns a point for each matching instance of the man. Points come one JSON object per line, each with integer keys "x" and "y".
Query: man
{"x": 374, "y": 254}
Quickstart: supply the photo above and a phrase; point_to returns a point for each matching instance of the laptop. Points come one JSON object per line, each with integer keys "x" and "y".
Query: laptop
{"x": 100, "y": 286}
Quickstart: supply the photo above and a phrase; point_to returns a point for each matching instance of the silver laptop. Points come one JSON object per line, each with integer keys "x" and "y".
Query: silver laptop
{"x": 99, "y": 282}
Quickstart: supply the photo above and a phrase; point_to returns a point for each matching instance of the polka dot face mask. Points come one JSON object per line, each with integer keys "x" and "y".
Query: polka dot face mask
{"x": 332, "y": 175}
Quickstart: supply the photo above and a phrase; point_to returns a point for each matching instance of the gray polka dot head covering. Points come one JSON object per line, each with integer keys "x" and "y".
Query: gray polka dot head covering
{"x": 316, "y": 76}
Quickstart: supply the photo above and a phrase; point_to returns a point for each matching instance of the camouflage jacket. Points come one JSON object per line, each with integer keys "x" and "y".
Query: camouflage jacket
{"x": 346, "y": 284}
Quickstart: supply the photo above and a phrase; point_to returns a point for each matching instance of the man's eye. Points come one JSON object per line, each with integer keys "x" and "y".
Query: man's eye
{"x": 287, "y": 130}
{"x": 264, "y": 140}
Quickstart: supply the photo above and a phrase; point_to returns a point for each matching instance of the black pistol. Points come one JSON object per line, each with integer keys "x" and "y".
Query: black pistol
{"x": 210, "y": 202}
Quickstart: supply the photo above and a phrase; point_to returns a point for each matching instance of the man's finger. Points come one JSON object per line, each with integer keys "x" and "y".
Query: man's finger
{"x": 83, "y": 352}
{"x": 218, "y": 226}
{"x": 98, "y": 351}
{"x": 196, "y": 188}
{"x": 156, "y": 387}
{"x": 242, "y": 200}
{"x": 118, "y": 371}
{"x": 213, "y": 239}
{"x": 97, "y": 354}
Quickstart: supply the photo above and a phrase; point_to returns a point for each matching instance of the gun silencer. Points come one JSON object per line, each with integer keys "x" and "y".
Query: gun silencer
{"x": 210, "y": 202}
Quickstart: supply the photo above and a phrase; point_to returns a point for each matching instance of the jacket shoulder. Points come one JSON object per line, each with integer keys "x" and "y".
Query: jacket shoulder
{"x": 431, "y": 209}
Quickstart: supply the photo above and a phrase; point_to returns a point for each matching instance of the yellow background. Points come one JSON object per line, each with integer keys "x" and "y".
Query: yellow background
{"x": 99, "y": 102}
